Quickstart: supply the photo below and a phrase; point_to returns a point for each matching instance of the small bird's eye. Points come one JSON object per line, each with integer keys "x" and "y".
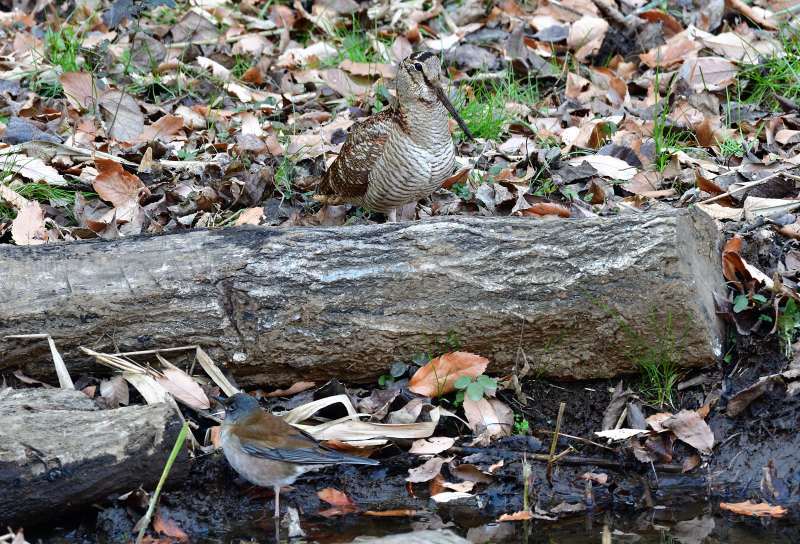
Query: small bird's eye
{"x": 418, "y": 66}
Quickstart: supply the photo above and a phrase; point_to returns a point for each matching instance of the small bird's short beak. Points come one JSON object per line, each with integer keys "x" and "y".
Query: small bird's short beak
{"x": 449, "y": 105}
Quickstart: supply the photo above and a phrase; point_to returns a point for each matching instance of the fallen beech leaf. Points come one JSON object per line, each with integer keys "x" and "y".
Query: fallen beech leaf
{"x": 341, "y": 503}
{"x": 182, "y": 386}
{"x": 119, "y": 187}
{"x": 400, "y": 513}
{"x": 334, "y": 497}
{"x": 115, "y": 391}
{"x": 448, "y": 496}
{"x": 27, "y": 229}
{"x": 169, "y": 527}
{"x": 586, "y": 36}
{"x": 489, "y": 416}
{"x": 471, "y": 473}
{"x": 607, "y": 166}
{"x": 458, "y": 177}
{"x": 690, "y": 428}
{"x": 708, "y": 73}
{"x": 677, "y": 49}
{"x": 655, "y": 421}
{"x": 599, "y": 478}
{"x": 427, "y": 471}
{"x": 368, "y": 69}
{"x": 522, "y": 515}
{"x": 163, "y": 129}
{"x": 546, "y": 208}
{"x": 438, "y": 376}
{"x": 749, "y": 508}
{"x": 690, "y": 463}
{"x": 431, "y": 446}
{"x": 79, "y": 88}
{"x": 296, "y": 388}
{"x": 250, "y": 216}
{"x": 123, "y": 119}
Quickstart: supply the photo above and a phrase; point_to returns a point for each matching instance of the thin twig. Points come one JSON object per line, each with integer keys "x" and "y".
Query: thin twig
{"x": 578, "y": 438}
{"x": 554, "y": 442}
{"x": 154, "y": 351}
{"x": 743, "y": 187}
{"x": 212, "y": 41}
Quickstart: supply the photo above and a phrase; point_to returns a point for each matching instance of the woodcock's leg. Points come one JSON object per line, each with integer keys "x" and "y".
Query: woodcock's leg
{"x": 391, "y": 217}
{"x": 277, "y": 489}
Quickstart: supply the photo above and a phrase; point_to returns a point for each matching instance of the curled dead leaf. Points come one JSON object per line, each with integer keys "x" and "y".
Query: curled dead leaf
{"x": 749, "y": 508}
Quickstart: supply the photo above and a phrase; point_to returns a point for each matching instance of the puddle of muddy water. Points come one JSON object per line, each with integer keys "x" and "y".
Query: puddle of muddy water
{"x": 696, "y": 524}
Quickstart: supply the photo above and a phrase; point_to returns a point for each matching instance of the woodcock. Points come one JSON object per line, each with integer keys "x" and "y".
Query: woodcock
{"x": 403, "y": 153}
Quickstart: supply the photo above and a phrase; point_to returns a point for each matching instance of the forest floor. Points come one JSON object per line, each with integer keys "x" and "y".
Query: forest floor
{"x": 151, "y": 116}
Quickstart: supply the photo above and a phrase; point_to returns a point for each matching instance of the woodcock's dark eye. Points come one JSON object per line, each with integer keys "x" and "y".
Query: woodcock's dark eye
{"x": 418, "y": 66}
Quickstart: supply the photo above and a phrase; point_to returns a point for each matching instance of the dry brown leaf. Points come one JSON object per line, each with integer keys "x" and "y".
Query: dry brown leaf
{"x": 749, "y": 508}
{"x": 183, "y": 387}
{"x": 115, "y": 391}
{"x": 471, "y": 473}
{"x": 334, "y": 497}
{"x": 677, "y": 49}
{"x": 169, "y": 527}
{"x": 761, "y": 16}
{"x": 80, "y": 89}
{"x": 522, "y": 515}
{"x": 438, "y": 376}
{"x": 400, "y": 513}
{"x": 708, "y": 73}
{"x": 586, "y": 36}
{"x": 28, "y": 229}
{"x": 123, "y": 189}
{"x": 297, "y": 387}
{"x": 600, "y": 478}
{"x": 250, "y": 216}
{"x": 546, "y": 208}
{"x": 432, "y": 445}
{"x": 488, "y": 418}
{"x": 340, "y": 502}
{"x": 427, "y": 471}
{"x": 123, "y": 119}
{"x": 164, "y": 129}
{"x": 690, "y": 428}
{"x": 368, "y": 69}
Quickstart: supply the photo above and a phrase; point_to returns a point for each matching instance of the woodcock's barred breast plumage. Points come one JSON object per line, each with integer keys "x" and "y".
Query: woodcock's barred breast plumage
{"x": 405, "y": 152}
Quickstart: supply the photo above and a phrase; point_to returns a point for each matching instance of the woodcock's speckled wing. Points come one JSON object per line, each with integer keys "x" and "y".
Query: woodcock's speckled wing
{"x": 403, "y": 153}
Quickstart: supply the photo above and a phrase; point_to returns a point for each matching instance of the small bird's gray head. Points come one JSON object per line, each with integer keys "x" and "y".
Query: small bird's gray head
{"x": 420, "y": 79}
{"x": 238, "y": 406}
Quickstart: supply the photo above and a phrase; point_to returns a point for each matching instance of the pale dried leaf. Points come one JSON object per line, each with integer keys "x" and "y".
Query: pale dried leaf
{"x": 183, "y": 387}
{"x": 692, "y": 429}
{"x": 749, "y": 508}
{"x": 447, "y": 496}
{"x": 432, "y": 446}
{"x": 123, "y": 119}
{"x": 28, "y": 229}
{"x": 214, "y": 372}
{"x": 620, "y": 434}
{"x": 490, "y": 416}
{"x": 115, "y": 391}
{"x": 427, "y": 471}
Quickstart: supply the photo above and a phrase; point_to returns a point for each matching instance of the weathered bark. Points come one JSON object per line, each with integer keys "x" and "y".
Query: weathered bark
{"x": 59, "y": 452}
{"x": 279, "y": 304}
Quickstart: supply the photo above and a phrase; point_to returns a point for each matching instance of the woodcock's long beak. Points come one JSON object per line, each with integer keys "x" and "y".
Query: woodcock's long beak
{"x": 449, "y": 105}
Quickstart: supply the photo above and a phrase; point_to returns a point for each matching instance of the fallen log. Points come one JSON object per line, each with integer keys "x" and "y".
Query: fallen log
{"x": 59, "y": 452}
{"x": 280, "y": 304}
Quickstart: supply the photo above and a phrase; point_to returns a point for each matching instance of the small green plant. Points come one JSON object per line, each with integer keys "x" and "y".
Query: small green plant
{"x": 521, "y": 425}
{"x": 461, "y": 191}
{"x": 474, "y": 388}
{"x": 7, "y": 213}
{"x": 742, "y": 302}
{"x": 760, "y": 80}
{"x": 656, "y": 355}
{"x": 241, "y": 65}
{"x": 732, "y": 147}
{"x": 186, "y": 154}
{"x": 283, "y": 178}
{"x": 486, "y": 114}
{"x": 62, "y": 47}
{"x": 397, "y": 370}
{"x": 788, "y": 325}
{"x": 545, "y": 187}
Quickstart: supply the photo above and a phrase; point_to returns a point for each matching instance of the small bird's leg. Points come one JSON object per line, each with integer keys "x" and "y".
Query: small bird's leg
{"x": 277, "y": 489}
{"x": 391, "y": 217}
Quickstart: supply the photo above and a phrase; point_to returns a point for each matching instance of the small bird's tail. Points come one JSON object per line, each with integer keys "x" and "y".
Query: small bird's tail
{"x": 353, "y": 459}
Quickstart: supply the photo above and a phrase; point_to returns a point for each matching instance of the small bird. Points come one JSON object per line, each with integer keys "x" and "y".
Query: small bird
{"x": 403, "y": 153}
{"x": 267, "y": 451}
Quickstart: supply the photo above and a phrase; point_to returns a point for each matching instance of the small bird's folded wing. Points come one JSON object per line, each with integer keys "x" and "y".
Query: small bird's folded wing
{"x": 269, "y": 437}
{"x": 348, "y": 176}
